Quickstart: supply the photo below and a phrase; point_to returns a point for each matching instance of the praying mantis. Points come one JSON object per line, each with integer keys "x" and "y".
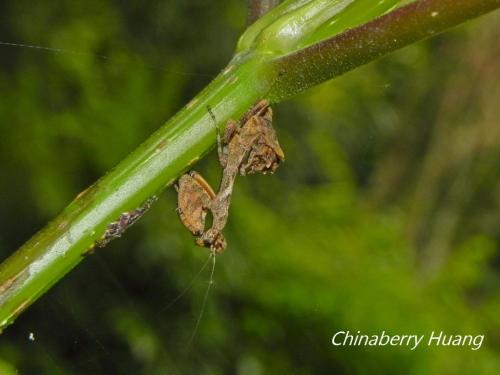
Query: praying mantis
{"x": 247, "y": 146}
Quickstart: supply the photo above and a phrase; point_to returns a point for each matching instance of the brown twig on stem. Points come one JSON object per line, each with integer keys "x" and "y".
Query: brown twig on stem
{"x": 257, "y": 8}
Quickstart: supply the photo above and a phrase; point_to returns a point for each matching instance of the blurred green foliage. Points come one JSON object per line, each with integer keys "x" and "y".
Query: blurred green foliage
{"x": 385, "y": 215}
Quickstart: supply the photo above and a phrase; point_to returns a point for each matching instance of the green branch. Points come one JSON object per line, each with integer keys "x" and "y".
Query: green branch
{"x": 269, "y": 64}
{"x": 335, "y": 56}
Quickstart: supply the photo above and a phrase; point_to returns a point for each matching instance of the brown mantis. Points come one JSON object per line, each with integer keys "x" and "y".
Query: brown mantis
{"x": 248, "y": 146}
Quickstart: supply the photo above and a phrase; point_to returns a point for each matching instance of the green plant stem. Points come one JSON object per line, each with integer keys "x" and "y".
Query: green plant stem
{"x": 401, "y": 27}
{"x": 176, "y": 146}
{"x": 55, "y": 250}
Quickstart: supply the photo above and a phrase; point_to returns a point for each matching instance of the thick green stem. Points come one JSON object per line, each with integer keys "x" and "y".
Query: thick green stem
{"x": 250, "y": 76}
{"x": 401, "y": 27}
{"x": 55, "y": 250}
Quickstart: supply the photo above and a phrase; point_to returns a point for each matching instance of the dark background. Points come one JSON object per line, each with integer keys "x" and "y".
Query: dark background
{"x": 385, "y": 216}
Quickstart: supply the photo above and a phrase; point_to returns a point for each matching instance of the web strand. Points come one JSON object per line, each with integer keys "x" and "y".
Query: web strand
{"x": 204, "y": 303}
{"x": 50, "y": 49}
{"x": 102, "y": 57}
{"x": 188, "y": 287}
